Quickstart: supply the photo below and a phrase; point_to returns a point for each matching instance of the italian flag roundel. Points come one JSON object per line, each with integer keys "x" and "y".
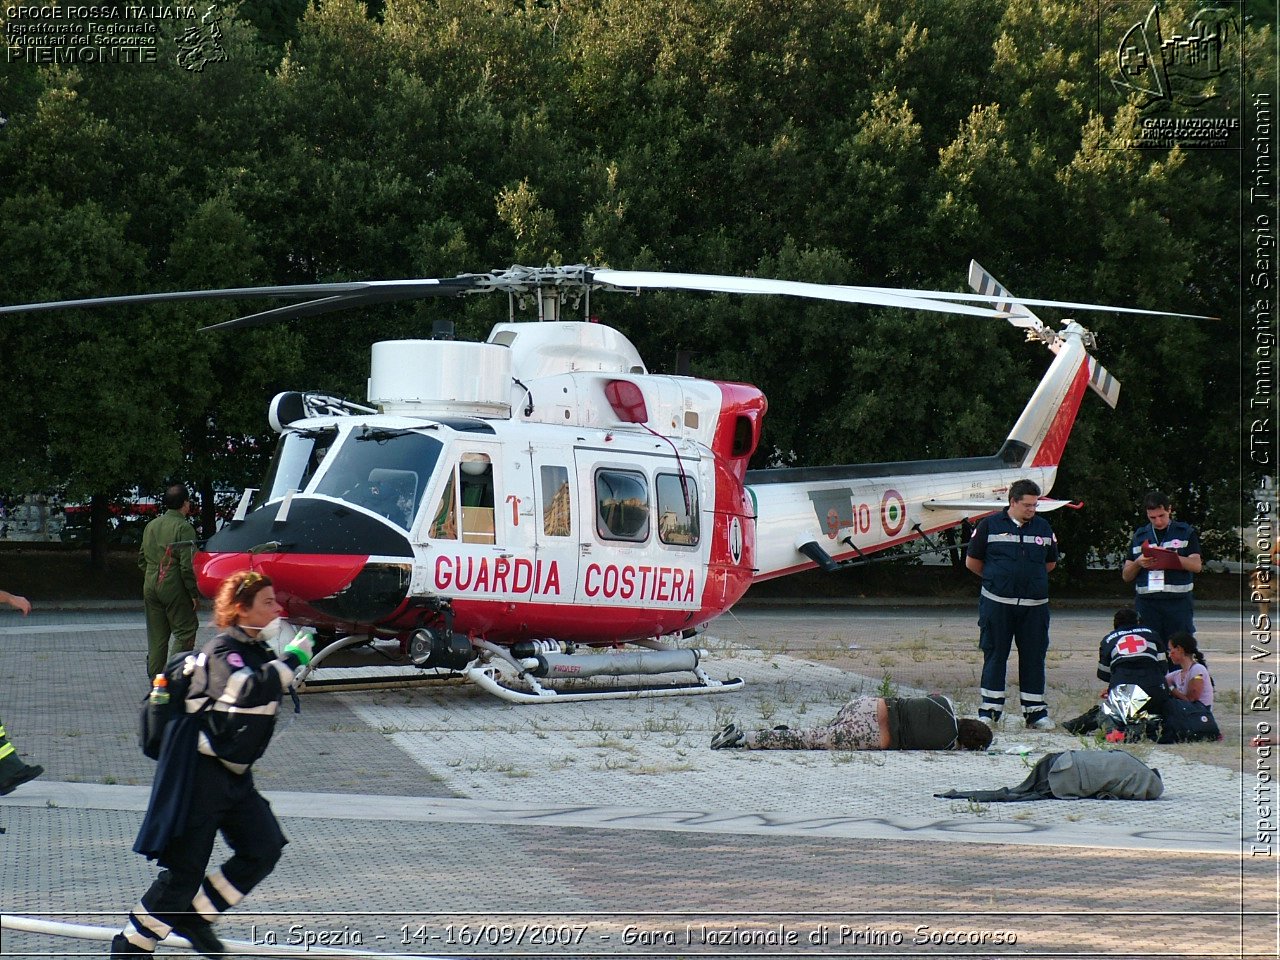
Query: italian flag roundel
{"x": 893, "y": 513}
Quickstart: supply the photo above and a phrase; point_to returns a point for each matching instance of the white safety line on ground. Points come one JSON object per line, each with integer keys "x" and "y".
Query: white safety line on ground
{"x": 81, "y": 931}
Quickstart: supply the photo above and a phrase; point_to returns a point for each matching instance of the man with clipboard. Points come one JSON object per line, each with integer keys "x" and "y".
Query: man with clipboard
{"x": 1163, "y": 559}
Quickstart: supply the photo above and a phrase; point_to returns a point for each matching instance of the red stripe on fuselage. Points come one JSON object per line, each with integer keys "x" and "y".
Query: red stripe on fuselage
{"x": 1055, "y": 439}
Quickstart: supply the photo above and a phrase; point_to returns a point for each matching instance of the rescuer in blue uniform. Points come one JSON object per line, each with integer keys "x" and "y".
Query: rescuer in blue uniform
{"x": 1164, "y": 602}
{"x": 204, "y": 780}
{"x": 1013, "y": 553}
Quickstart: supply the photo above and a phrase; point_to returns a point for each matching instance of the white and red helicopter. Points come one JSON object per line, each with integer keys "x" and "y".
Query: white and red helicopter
{"x": 498, "y": 508}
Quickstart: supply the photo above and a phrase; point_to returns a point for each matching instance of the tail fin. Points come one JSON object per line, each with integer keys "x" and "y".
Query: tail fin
{"x": 1040, "y": 435}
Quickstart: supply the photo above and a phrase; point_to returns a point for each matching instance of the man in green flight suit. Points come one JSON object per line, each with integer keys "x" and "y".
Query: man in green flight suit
{"x": 169, "y": 580}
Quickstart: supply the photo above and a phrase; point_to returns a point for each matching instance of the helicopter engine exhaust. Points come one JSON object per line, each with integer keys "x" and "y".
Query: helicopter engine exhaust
{"x": 559, "y": 666}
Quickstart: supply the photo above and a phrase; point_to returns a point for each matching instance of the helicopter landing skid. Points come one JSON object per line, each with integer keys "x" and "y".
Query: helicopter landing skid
{"x": 496, "y": 671}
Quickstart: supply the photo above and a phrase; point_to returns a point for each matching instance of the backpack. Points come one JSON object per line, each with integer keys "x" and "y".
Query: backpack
{"x": 1186, "y": 720}
{"x": 154, "y": 718}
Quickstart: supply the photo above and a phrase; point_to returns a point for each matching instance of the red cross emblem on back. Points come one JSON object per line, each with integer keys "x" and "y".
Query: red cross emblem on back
{"x": 1131, "y": 644}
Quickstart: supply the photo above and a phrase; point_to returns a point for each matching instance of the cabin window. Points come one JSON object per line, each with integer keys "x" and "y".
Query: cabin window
{"x": 556, "y": 502}
{"x": 622, "y": 498}
{"x": 677, "y": 509}
{"x": 382, "y": 471}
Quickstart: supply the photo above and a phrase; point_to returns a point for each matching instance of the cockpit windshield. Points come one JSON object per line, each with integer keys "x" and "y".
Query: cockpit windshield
{"x": 294, "y": 462}
{"x": 382, "y": 470}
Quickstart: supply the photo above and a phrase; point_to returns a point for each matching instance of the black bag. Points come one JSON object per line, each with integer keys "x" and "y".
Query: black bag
{"x": 154, "y": 718}
{"x": 1186, "y": 720}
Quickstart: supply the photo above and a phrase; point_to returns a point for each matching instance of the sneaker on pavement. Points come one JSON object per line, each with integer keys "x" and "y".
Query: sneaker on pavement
{"x": 730, "y": 735}
{"x": 28, "y": 772}
{"x": 201, "y": 936}
{"x": 1044, "y": 723}
{"x": 989, "y": 721}
{"x": 121, "y": 947}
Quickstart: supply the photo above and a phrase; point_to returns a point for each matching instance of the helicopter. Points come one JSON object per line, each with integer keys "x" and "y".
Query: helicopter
{"x": 540, "y": 508}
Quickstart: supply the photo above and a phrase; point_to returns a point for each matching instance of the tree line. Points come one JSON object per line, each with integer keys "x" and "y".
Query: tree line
{"x": 840, "y": 141}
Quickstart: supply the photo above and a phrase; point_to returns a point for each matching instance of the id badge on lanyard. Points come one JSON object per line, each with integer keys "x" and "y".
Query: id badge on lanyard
{"x": 1155, "y": 578}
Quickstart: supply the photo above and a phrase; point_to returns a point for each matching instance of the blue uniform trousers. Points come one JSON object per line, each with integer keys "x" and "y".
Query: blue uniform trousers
{"x": 1166, "y": 614}
{"x": 1001, "y": 625}
{"x": 220, "y": 801}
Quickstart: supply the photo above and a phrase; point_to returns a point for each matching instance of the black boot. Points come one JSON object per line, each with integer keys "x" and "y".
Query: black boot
{"x": 201, "y": 936}
{"x": 28, "y": 771}
{"x": 121, "y": 947}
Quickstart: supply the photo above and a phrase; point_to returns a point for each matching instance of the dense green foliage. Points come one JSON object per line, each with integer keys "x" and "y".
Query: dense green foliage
{"x": 843, "y": 141}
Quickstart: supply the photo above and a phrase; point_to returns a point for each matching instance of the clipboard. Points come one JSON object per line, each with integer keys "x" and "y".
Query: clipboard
{"x": 1165, "y": 558}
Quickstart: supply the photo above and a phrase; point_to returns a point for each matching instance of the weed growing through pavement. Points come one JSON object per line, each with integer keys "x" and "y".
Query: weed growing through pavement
{"x": 653, "y": 769}
{"x": 975, "y": 807}
{"x": 724, "y": 716}
{"x": 672, "y": 724}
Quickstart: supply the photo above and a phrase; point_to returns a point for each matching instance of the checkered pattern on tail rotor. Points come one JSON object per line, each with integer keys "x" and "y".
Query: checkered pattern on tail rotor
{"x": 1101, "y": 381}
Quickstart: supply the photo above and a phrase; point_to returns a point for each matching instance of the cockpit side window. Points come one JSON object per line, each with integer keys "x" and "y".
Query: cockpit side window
{"x": 468, "y": 495}
{"x": 382, "y": 471}
{"x": 475, "y": 489}
{"x": 444, "y": 524}
{"x": 297, "y": 456}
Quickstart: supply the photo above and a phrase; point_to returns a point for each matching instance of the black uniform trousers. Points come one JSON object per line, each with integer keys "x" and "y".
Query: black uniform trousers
{"x": 1000, "y": 626}
{"x": 220, "y": 801}
{"x": 1167, "y": 614}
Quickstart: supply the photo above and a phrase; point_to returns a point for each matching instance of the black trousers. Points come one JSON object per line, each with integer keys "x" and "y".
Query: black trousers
{"x": 220, "y": 801}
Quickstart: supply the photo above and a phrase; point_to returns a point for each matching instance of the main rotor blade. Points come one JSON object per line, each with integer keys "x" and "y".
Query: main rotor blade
{"x": 381, "y": 291}
{"x": 339, "y": 296}
{"x": 644, "y": 279}
{"x": 1065, "y": 304}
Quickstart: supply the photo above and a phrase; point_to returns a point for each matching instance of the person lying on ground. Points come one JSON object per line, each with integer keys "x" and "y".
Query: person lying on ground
{"x": 872, "y": 723}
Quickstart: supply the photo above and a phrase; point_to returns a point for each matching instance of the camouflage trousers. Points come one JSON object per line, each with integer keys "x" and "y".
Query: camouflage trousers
{"x": 854, "y": 728}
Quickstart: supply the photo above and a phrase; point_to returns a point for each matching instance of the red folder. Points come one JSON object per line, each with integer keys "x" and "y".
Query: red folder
{"x": 1165, "y": 559}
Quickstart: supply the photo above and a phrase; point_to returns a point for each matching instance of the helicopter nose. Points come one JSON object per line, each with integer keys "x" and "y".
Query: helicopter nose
{"x": 327, "y": 561}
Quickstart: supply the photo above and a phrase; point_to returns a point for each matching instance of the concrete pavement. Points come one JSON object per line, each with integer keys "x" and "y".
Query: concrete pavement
{"x": 441, "y": 822}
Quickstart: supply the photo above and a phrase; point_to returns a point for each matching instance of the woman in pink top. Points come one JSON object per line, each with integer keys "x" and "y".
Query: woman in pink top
{"x": 1191, "y": 680}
